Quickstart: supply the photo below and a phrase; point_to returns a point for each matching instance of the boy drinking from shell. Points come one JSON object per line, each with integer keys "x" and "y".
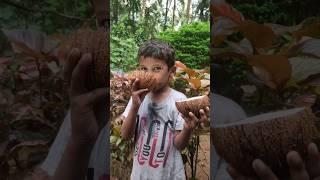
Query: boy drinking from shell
{"x": 151, "y": 117}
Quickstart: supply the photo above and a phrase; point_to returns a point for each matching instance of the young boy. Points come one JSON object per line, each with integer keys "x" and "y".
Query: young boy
{"x": 152, "y": 118}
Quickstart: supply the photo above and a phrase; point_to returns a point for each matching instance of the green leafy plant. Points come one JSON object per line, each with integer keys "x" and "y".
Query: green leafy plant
{"x": 191, "y": 43}
{"x": 123, "y": 53}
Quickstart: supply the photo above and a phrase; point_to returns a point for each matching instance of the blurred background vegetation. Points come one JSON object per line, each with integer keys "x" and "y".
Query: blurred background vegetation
{"x": 282, "y": 35}
{"x": 183, "y": 23}
{"x": 33, "y": 97}
{"x": 49, "y": 16}
{"x": 286, "y": 12}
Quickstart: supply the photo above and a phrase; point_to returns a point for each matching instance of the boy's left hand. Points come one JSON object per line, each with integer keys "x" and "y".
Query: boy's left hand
{"x": 192, "y": 121}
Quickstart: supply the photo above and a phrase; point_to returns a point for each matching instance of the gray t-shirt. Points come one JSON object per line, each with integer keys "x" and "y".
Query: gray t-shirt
{"x": 155, "y": 156}
{"x": 98, "y": 167}
{"x": 223, "y": 111}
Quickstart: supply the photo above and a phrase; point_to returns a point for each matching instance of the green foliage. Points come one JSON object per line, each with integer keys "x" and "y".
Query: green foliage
{"x": 123, "y": 53}
{"x": 142, "y": 31}
{"x": 191, "y": 43}
{"x": 122, "y": 28}
{"x": 50, "y": 16}
{"x": 266, "y": 12}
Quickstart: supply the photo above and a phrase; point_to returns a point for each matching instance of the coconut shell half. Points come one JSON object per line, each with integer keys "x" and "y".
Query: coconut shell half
{"x": 268, "y": 137}
{"x": 146, "y": 79}
{"x": 193, "y": 105}
{"x": 95, "y": 42}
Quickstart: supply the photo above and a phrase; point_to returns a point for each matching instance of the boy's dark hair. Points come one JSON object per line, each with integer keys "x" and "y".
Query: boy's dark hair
{"x": 158, "y": 49}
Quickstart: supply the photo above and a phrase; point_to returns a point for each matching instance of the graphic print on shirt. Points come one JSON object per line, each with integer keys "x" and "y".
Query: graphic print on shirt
{"x": 154, "y": 137}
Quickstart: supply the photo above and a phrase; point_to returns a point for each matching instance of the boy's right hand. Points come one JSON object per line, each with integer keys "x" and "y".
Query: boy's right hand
{"x": 137, "y": 94}
{"x": 88, "y": 107}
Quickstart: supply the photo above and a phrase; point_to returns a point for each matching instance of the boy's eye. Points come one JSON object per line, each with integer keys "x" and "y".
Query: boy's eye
{"x": 156, "y": 69}
{"x": 143, "y": 69}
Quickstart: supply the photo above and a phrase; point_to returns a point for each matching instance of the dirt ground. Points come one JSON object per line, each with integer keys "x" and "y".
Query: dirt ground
{"x": 203, "y": 166}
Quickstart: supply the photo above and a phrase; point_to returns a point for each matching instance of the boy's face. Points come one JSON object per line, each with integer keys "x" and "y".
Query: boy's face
{"x": 159, "y": 69}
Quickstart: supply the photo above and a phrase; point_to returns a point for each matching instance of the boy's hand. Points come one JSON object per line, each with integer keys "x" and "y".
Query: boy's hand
{"x": 137, "y": 94}
{"x": 88, "y": 108}
{"x": 192, "y": 121}
{"x": 299, "y": 170}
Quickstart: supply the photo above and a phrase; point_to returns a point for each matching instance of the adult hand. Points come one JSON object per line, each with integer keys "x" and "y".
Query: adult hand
{"x": 299, "y": 170}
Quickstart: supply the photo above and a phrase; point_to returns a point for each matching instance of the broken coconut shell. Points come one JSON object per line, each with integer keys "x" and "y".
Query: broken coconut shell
{"x": 95, "y": 42}
{"x": 193, "y": 105}
{"x": 268, "y": 137}
{"x": 146, "y": 79}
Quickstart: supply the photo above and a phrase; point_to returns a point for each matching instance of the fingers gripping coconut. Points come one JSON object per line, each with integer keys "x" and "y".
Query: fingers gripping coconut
{"x": 268, "y": 137}
{"x": 195, "y": 110}
{"x": 85, "y": 71}
{"x": 86, "y": 55}
{"x": 95, "y": 43}
{"x": 142, "y": 83}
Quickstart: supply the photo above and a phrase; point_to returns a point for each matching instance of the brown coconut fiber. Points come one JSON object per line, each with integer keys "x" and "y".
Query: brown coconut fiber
{"x": 193, "y": 105}
{"x": 268, "y": 137}
{"x": 146, "y": 79}
{"x": 95, "y": 42}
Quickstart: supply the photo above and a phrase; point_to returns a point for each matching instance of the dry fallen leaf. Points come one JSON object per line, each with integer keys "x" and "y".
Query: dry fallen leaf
{"x": 259, "y": 35}
{"x": 28, "y": 153}
{"x": 274, "y": 70}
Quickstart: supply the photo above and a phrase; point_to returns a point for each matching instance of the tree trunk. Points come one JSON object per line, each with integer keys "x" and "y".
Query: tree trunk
{"x": 173, "y": 13}
{"x": 188, "y": 11}
{"x": 115, "y": 10}
{"x": 166, "y": 16}
{"x": 143, "y": 8}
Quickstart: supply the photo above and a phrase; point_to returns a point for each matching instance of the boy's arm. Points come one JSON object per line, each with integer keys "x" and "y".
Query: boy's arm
{"x": 181, "y": 138}
{"x": 137, "y": 97}
{"x": 88, "y": 117}
{"x": 74, "y": 162}
{"x": 128, "y": 125}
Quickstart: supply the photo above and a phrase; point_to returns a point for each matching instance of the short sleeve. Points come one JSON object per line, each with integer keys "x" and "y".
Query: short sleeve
{"x": 126, "y": 111}
{"x": 179, "y": 123}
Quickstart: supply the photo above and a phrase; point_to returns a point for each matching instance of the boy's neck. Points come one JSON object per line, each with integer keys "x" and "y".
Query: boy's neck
{"x": 157, "y": 96}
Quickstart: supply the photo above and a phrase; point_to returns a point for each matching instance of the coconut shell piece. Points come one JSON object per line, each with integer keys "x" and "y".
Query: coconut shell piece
{"x": 268, "y": 137}
{"x": 193, "y": 105}
{"x": 146, "y": 79}
{"x": 95, "y": 42}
